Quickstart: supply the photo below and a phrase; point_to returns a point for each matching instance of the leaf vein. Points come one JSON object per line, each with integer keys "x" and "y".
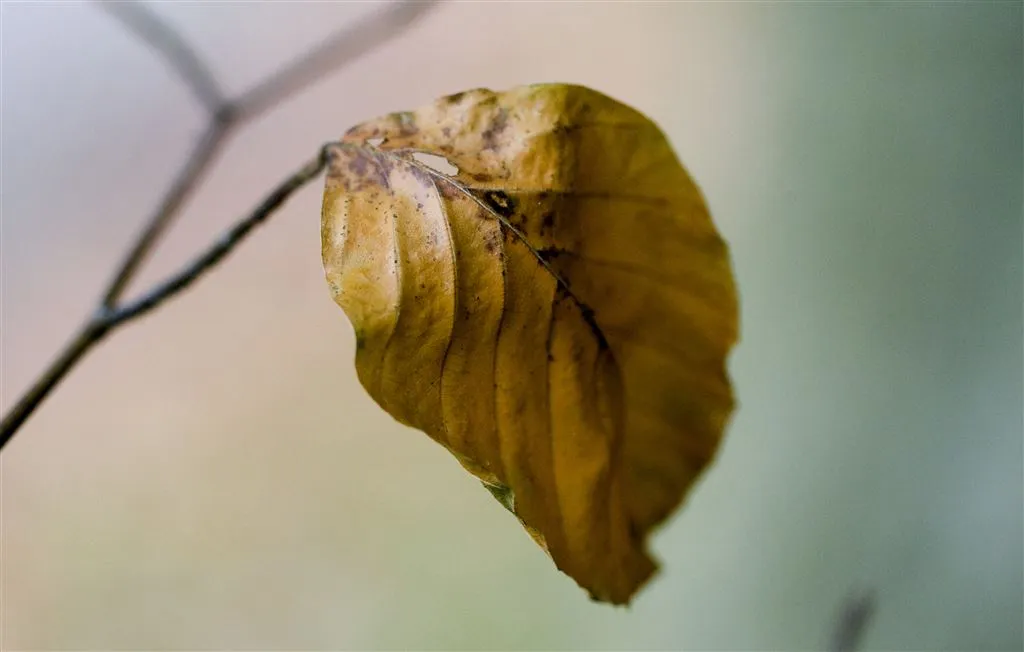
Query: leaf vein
{"x": 587, "y": 312}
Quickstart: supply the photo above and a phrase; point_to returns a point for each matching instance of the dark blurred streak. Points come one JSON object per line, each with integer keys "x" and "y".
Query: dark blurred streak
{"x": 853, "y": 620}
{"x": 341, "y": 48}
{"x": 178, "y": 54}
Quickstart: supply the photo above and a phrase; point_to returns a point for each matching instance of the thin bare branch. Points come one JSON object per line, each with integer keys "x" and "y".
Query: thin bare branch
{"x": 853, "y": 620}
{"x": 198, "y": 163}
{"x": 106, "y": 320}
{"x": 73, "y": 351}
{"x": 338, "y": 50}
{"x": 226, "y": 116}
{"x": 178, "y": 54}
{"x": 221, "y": 248}
{"x": 334, "y": 52}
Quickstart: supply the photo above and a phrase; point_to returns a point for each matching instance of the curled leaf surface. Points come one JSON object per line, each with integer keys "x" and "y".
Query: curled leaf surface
{"x": 557, "y": 313}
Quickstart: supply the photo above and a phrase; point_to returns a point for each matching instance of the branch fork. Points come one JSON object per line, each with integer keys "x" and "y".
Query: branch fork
{"x": 226, "y": 116}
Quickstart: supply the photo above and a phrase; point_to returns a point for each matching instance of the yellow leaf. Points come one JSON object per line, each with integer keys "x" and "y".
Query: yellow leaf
{"x": 557, "y": 313}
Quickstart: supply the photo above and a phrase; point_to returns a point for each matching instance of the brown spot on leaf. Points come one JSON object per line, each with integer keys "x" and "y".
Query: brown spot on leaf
{"x": 549, "y": 253}
{"x": 493, "y": 132}
{"x": 500, "y": 202}
{"x": 406, "y": 123}
{"x": 358, "y": 165}
{"x": 492, "y": 243}
{"x": 447, "y": 189}
{"x": 547, "y": 223}
{"x": 421, "y": 175}
{"x": 454, "y": 98}
{"x": 358, "y": 168}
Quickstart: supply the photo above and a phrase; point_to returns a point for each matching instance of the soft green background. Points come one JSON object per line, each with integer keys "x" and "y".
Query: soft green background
{"x": 213, "y": 477}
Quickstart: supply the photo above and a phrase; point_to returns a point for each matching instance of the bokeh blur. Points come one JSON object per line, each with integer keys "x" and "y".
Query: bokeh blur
{"x": 213, "y": 477}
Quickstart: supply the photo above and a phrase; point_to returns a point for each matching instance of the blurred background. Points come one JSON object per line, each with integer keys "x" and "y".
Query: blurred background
{"x": 213, "y": 476}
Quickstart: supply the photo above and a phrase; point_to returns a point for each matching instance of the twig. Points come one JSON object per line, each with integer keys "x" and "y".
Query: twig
{"x": 107, "y": 319}
{"x": 226, "y": 116}
{"x": 140, "y": 21}
{"x": 222, "y": 247}
{"x": 198, "y": 163}
{"x": 335, "y": 51}
{"x": 176, "y": 52}
{"x": 854, "y": 616}
{"x": 339, "y": 49}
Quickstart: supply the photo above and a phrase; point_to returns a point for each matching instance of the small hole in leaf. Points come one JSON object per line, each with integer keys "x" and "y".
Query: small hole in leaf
{"x": 374, "y": 142}
{"x": 438, "y": 163}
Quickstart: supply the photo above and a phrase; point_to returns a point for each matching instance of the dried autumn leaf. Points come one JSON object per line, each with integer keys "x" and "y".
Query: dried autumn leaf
{"x": 557, "y": 313}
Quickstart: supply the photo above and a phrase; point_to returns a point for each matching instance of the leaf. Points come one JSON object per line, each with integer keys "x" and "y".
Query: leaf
{"x": 557, "y": 313}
